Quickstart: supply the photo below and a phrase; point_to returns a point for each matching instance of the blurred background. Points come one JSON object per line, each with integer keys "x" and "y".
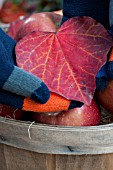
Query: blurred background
{"x": 45, "y": 5}
{"x": 23, "y": 7}
{"x": 11, "y": 10}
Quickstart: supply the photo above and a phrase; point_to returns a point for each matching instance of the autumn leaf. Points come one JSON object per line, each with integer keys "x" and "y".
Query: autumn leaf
{"x": 68, "y": 60}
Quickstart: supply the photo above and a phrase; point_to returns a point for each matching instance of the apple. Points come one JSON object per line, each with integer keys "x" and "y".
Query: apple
{"x": 14, "y": 26}
{"x": 9, "y": 112}
{"x": 43, "y": 21}
{"x": 83, "y": 116}
{"x": 105, "y": 97}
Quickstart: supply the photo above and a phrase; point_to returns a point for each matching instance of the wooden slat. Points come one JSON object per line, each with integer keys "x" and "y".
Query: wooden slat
{"x": 57, "y": 140}
{"x": 2, "y": 158}
{"x": 84, "y": 162}
{"x": 20, "y": 159}
{"x": 17, "y": 159}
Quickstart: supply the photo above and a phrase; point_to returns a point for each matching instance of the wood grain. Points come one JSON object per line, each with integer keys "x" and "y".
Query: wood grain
{"x": 19, "y": 159}
{"x": 3, "y": 165}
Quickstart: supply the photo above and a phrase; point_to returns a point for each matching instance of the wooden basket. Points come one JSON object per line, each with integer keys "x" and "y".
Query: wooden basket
{"x": 30, "y": 146}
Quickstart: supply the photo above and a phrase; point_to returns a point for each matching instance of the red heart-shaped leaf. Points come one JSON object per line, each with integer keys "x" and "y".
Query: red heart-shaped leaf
{"x": 67, "y": 61}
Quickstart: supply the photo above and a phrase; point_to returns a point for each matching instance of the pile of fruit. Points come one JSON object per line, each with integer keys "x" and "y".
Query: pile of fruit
{"x": 76, "y": 80}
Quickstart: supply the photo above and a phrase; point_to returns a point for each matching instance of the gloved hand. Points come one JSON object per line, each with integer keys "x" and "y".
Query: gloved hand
{"x": 22, "y": 90}
{"x": 100, "y": 12}
{"x": 16, "y": 83}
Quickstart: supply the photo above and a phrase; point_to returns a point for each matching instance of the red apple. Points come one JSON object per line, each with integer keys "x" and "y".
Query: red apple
{"x": 83, "y": 116}
{"x": 44, "y": 21}
{"x": 14, "y": 26}
{"x": 9, "y": 112}
{"x": 105, "y": 97}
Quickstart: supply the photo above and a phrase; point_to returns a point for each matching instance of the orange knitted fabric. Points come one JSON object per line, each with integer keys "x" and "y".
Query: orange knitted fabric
{"x": 111, "y": 55}
{"x": 55, "y": 103}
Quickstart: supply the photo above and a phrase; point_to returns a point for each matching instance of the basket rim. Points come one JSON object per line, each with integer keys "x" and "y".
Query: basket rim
{"x": 53, "y": 127}
{"x": 51, "y": 139}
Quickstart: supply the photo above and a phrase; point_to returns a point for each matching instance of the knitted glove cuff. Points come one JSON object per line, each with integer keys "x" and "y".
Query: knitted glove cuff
{"x": 98, "y": 10}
